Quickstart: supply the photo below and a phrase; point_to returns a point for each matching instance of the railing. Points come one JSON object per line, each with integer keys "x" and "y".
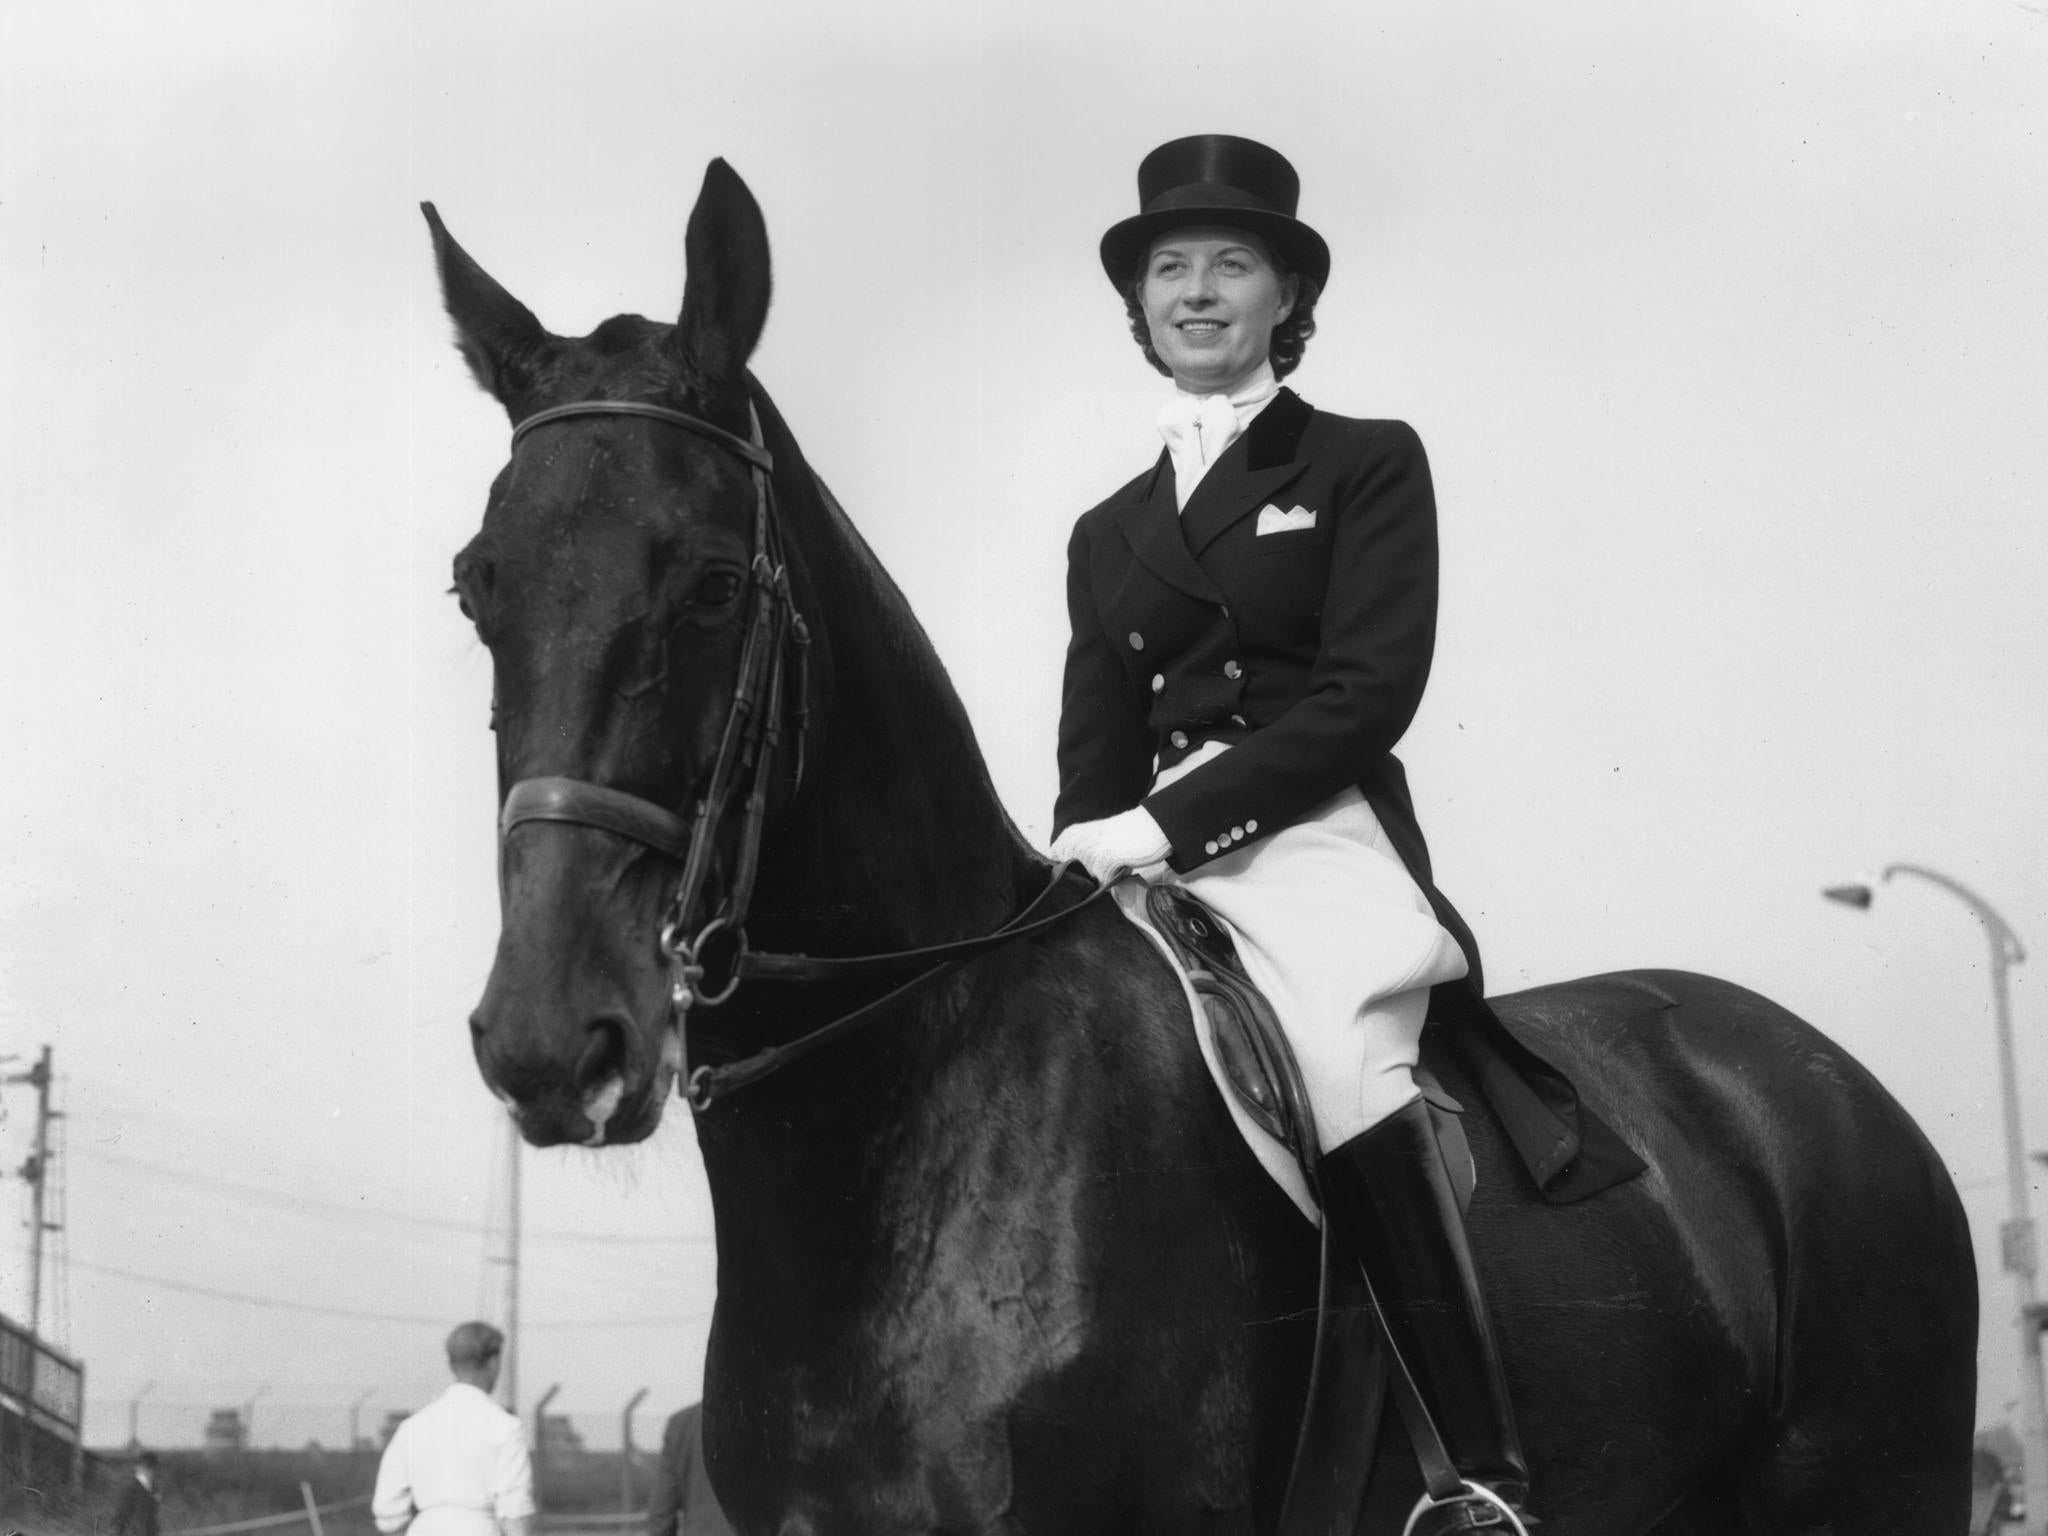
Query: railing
{"x": 48, "y": 1386}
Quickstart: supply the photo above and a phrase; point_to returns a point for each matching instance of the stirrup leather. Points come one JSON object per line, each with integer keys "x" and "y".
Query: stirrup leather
{"x": 1493, "y": 1513}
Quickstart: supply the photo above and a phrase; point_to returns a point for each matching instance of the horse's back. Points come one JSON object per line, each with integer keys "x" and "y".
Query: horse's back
{"x": 1770, "y": 1329}
{"x": 1795, "y": 1210}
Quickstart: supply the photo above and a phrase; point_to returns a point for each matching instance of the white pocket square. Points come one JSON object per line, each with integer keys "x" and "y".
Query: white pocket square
{"x": 1273, "y": 520}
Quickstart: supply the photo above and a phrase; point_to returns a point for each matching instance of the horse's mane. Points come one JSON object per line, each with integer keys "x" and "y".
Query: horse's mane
{"x": 886, "y": 619}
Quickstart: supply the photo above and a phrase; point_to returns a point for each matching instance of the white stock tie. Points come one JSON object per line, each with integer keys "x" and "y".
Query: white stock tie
{"x": 1197, "y": 429}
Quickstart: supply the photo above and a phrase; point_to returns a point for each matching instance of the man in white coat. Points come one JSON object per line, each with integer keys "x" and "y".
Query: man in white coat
{"x": 459, "y": 1466}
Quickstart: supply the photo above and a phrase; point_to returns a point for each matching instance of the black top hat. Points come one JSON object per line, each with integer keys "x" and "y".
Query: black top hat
{"x": 1216, "y": 178}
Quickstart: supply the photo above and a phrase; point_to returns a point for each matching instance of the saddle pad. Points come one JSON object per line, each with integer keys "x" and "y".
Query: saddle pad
{"x": 1273, "y": 1155}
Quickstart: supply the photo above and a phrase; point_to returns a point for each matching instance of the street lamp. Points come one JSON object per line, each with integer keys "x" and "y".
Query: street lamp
{"x": 2016, "y": 1237}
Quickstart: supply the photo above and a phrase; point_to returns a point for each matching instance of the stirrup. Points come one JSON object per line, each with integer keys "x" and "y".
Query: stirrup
{"x": 1497, "y": 1514}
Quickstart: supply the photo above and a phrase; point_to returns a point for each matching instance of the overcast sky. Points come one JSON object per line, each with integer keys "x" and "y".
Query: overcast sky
{"x": 1725, "y": 325}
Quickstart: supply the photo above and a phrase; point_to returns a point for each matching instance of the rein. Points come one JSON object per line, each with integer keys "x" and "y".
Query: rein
{"x": 777, "y": 643}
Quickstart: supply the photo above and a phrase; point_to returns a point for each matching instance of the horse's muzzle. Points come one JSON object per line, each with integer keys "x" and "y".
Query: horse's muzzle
{"x": 593, "y": 1088}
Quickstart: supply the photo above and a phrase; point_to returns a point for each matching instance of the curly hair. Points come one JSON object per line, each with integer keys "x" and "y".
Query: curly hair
{"x": 1290, "y": 336}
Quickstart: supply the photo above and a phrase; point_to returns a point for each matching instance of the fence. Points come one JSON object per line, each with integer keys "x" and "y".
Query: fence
{"x": 311, "y": 1516}
{"x": 42, "y": 1406}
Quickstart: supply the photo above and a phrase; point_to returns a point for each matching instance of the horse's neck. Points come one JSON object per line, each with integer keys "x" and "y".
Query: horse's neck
{"x": 898, "y": 836}
{"x": 896, "y": 840}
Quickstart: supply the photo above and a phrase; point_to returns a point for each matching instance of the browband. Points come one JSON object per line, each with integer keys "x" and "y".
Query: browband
{"x": 753, "y": 453}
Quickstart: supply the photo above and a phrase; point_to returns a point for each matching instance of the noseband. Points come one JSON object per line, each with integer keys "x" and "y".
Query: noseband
{"x": 777, "y": 645}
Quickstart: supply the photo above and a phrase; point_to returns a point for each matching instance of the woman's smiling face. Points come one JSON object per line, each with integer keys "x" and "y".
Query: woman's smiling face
{"x": 1211, "y": 299}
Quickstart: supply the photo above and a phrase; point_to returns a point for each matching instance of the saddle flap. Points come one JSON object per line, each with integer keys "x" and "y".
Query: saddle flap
{"x": 1257, "y": 1062}
{"x": 1250, "y": 1047}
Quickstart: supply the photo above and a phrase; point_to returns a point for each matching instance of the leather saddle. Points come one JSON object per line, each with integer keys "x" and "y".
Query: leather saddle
{"x": 1349, "y": 1378}
{"x": 1257, "y": 1062}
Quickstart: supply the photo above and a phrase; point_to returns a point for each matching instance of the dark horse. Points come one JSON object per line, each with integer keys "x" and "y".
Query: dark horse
{"x": 996, "y": 1260}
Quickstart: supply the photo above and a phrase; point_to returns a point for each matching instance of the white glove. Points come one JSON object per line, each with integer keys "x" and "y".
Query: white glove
{"x": 1130, "y": 841}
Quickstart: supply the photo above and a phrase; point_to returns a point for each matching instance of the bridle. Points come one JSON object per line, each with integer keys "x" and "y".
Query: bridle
{"x": 773, "y": 680}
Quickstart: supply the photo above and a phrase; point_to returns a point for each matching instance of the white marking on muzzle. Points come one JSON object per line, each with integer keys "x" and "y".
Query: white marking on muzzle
{"x": 668, "y": 1067}
{"x": 601, "y": 1106}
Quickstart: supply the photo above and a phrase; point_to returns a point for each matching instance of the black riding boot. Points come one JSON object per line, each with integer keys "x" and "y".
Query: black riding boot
{"x": 1388, "y": 1197}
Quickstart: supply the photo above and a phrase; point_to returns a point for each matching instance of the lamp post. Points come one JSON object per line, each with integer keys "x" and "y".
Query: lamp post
{"x": 2016, "y": 1237}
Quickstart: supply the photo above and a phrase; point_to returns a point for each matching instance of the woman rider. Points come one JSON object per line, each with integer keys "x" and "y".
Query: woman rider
{"x": 1252, "y": 622}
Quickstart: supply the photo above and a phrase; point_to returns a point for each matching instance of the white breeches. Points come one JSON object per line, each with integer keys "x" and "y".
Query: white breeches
{"x": 1334, "y": 930}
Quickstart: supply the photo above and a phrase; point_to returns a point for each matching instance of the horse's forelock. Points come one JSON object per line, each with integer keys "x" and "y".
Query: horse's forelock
{"x": 632, "y": 358}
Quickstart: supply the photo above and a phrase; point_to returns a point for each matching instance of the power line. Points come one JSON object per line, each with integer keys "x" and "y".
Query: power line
{"x": 216, "y": 1294}
{"x": 439, "y": 1320}
{"x": 278, "y": 1199}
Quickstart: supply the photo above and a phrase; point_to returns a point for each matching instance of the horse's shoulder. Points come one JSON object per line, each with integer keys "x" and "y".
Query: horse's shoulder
{"x": 1104, "y": 957}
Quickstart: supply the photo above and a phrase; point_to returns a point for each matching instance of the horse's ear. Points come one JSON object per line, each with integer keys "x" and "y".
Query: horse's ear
{"x": 497, "y": 335}
{"x": 725, "y": 295}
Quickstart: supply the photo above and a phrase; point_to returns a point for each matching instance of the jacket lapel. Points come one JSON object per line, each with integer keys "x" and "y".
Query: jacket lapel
{"x": 1249, "y": 474}
{"x": 1152, "y": 524}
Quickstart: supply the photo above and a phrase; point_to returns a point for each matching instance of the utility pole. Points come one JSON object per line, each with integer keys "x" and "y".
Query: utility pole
{"x": 36, "y": 1172}
{"x": 512, "y": 1272}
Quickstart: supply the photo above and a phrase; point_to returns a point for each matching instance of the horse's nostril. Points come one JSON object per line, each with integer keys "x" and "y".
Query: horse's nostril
{"x": 604, "y": 1054}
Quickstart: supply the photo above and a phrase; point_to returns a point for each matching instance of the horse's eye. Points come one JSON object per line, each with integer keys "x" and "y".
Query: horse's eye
{"x": 461, "y": 594}
{"x": 715, "y": 589}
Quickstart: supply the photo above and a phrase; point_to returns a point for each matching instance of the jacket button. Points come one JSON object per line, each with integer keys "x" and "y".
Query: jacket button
{"x": 1232, "y": 670}
{"x": 1236, "y": 834}
{"x": 1209, "y": 847}
{"x": 1179, "y": 738}
{"x": 1158, "y": 682}
{"x": 1137, "y": 641}
{"x": 1251, "y": 826}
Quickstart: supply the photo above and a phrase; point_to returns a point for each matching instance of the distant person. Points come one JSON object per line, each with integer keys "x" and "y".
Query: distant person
{"x": 683, "y": 1503}
{"x": 459, "y": 1466}
{"x": 135, "y": 1508}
